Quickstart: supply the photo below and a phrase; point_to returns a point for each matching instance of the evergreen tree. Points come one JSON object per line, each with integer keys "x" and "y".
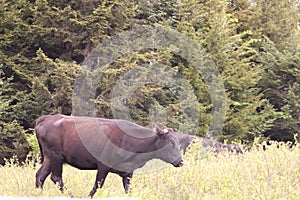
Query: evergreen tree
{"x": 274, "y": 23}
{"x": 254, "y": 44}
{"x": 233, "y": 50}
{"x": 281, "y": 86}
{"x": 41, "y": 44}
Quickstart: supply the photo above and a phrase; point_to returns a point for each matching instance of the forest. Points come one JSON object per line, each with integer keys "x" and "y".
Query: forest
{"x": 248, "y": 89}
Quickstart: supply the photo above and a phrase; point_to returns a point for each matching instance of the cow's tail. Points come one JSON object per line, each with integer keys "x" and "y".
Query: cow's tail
{"x": 37, "y": 124}
{"x": 41, "y": 150}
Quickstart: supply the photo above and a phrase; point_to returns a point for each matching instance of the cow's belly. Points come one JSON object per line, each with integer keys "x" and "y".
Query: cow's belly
{"x": 83, "y": 165}
{"x": 80, "y": 158}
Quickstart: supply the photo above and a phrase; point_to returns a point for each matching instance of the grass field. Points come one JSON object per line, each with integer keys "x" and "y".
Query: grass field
{"x": 271, "y": 174}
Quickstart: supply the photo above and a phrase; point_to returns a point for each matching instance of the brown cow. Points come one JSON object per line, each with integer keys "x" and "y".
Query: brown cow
{"x": 106, "y": 145}
{"x": 185, "y": 140}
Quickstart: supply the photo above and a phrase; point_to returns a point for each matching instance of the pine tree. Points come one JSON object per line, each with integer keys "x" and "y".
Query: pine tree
{"x": 232, "y": 48}
{"x": 12, "y": 135}
{"x": 41, "y": 44}
{"x": 281, "y": 86}
{"x": 275, "y": 24}
{"x": 254, "y": 44}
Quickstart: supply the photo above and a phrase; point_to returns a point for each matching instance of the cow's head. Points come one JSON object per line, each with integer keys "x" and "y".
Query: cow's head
{"x": 167, "y": 146}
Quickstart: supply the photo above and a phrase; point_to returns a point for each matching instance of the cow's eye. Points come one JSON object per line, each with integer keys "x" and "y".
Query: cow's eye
{"x": 173, "y": 142}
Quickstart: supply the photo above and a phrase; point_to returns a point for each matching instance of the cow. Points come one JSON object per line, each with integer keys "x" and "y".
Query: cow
{"x": 185, "y": 140}
{"x": 107, "y": 145}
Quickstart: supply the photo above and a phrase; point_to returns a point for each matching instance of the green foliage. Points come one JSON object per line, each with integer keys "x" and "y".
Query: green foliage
{"x": 54, "y": 88}
{"x": 12, "y": 135}
{"x": 234, "y": 51}
{"x": 254, "y": 46}
{"x": 249, "y": 113}
{"x": 281, "y": 83}
{"x": 35, "y": 152}
{"x": 157, "y": 12}
{"x": 41, "y": 42}
{"x": 12, "y": 141}
{"x": 274, "y": 25}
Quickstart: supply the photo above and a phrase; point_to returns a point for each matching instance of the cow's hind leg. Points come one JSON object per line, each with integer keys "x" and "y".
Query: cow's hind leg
{"x": 42, "y": 173}
{"x": 100, "y": 178}
{"x": 56, "y": 173}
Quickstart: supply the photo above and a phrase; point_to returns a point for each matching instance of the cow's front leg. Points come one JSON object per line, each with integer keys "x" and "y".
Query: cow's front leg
{"x": 126, "y": 182}
{"x": 100, "y": 178}
{"x": 58, "y": 181}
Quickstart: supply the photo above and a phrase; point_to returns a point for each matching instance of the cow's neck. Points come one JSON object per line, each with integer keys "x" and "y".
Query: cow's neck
{"x": 146, "y": 145}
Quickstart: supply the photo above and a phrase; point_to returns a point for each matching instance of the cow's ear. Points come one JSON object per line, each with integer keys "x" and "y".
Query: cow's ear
{"x": 160, "y": 132}
{"x": 156, "y": 129}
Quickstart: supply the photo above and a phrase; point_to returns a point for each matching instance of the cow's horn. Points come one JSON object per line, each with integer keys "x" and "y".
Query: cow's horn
{"x": 155, "y": 128}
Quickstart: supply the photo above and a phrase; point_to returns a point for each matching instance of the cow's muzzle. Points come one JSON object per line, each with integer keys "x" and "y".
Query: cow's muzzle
{"x": 178, "y": 163}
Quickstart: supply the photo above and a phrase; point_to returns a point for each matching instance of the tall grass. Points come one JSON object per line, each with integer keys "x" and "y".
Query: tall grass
{"x": 258, "y": 174}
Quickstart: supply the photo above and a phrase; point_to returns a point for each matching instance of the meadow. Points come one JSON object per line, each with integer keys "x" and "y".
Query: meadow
{"x": 273, "y": 173}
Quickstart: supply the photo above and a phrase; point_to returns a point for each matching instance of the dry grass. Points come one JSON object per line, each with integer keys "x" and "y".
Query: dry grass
{"x": 271, "y": 174}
